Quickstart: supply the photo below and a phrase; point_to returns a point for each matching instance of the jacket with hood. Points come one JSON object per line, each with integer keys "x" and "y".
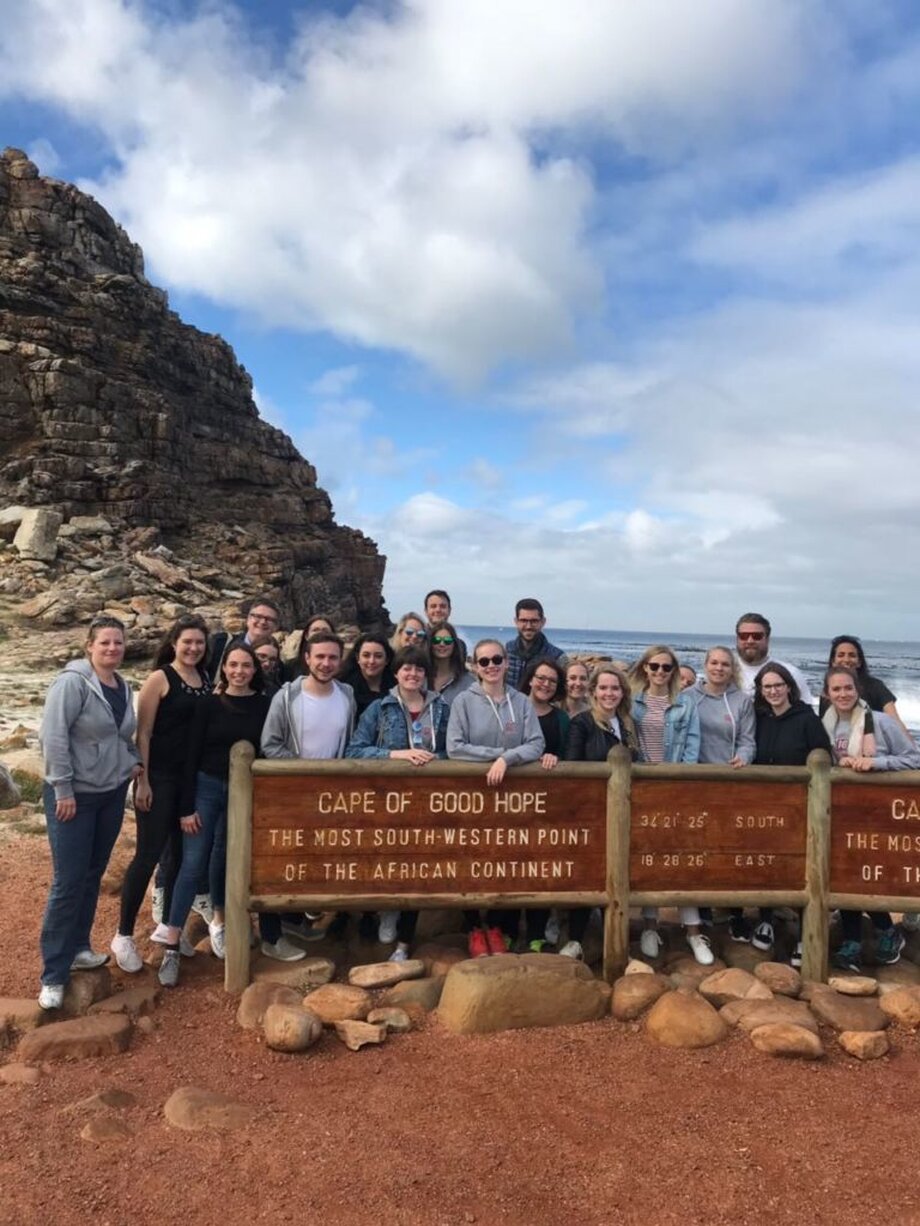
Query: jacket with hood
{"x": 481, "y": 730}
{"x": 894, "y": 749}
{"x": 681, "y": 727}
{"x": 280, "y": 736}
{"x": 385, "y": 726}
{"x": 788, "y": 739}
{"x": 727, "y": 724}
{"x": 84, "y": 749}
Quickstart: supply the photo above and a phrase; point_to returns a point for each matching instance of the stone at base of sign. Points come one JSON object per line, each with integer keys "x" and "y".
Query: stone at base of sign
{"x": 785, "y": 1039}
{"x": 103, "y": 1129}
{"x": 747, "y": 1015}
{"x": 853, "y": 985}
{"x": 85, "y": 989}
{"x": 425, "y": 993}
{"x": 301, "y": 976}
{"x": 356, "y": 1035}
{"x": 439, "y": 956}
{"x": 633, "y": 994}
{"x": 483, "y": 995}
{"x": 385, "y": 974}
{"x": 21, "y": 1014}
{"x": 846, "y": 1012}
{"x": 136, "y": 1002}
{"x": 733, "y": 984}
{"x": 195, "y": 1110}
{"x": 684, "y": 1019}
{"x": 903, "y": 1006}
{"x": 258, "y": 996}
{"x": 685, "y": 972}
{"x": 19, "y": 1075}
{"x": 290, "y": 1028}
{"x": 339, "y": 1002}
{"x": 780, "y": 978}
{"x": 397, "y": 1021}
{"x": 900, "y": 974}
{"x": 635, "y": 966}
{"x": 864, "y": 1044}
{"x": 78, "y": 1038}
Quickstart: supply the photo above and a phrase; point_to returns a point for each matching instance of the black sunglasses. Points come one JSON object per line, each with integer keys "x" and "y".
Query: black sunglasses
{"x": 485, "y": 661}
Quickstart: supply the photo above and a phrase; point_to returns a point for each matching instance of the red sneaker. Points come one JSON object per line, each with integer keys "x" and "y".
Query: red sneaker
{"x": 496, "y": 940}
{"x": 478, "y": 945}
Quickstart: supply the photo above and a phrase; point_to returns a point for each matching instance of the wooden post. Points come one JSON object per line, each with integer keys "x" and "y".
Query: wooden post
{"x": 616, "y": 917}
{"x": 817, "y": 868}
{"x": 239, "y": 856}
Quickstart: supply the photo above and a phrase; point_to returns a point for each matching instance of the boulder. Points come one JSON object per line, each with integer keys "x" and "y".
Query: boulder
{"x": 780, "y": 978}
{"x": 853, "y": 985}
{"x": 195, "y": 1110}
{"x": 749, "y": 1014}
{"x": 397, "y": 1021}
{"x": 19, "y": 1075}
{"x": 902, "y": 1005}
{"x": 103, "y": 1129}
{"x": 385, "y": 974}
{"x": 10, "y": 796}
{"x": 784, "y": 1039}
{"x": 290, "y": 1027}
{"x": 847, "y": 1012}
{"x": 84, "y": 989}
{"x": 684, "y": 1019}
{"x": 78, "y": 1038}
{"x": 733, "y": 984}
{"x": 423, "y": 992}
{"x": 438, "y": 958}
{"x": 744, "y": 957}
{"x": 302, "y": 976}
{"x": 110, "y": 1099}
{"x": 36, "y": 536}
{"x": 685, "y": 972}
{"x": 21, "y": 1014}
{"x": 488, "y": 994}
{"x": 864, "y": 1044}
{"x": 356, "y": 1035}
{"x": 633, "y": 994}
{"x": 81, "y": 525}
{"x": 339, "y": 1002}
{"x": 257, "y": 998}
{"x": 898, "y": 975}
{"x": 136, "y": 1002}
{"x": 10, "y": 519}
{"x": 635, "y": 966}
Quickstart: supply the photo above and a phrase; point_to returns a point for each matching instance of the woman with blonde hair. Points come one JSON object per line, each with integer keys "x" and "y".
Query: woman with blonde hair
{"x": 668, "y": 730}
{"x": 577, "y": 680}
{"x": 410, "y": 632}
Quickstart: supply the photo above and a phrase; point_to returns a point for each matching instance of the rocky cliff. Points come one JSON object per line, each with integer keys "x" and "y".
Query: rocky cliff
{"x": 139, "y": 434}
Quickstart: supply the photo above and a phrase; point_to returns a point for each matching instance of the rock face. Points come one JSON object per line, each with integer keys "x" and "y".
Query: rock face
{"x": 116, "y": 414}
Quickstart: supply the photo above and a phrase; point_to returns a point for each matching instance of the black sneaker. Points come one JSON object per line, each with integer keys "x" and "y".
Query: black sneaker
{"x": 739, "y": 929}
{"x": 888, "y": 947}
{"x": 848, "y": 957}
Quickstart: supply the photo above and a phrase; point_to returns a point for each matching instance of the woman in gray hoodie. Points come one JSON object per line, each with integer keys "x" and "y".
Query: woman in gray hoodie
{"x": 87, "y": 738}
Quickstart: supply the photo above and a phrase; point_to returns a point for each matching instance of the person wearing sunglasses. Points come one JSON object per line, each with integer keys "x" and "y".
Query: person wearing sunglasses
{"x": 450, "y": 675}
{"x": 752, "y": 646}
{"x": 668, "y": 730}
{"x": 411, "y": 631}
{"x": 494, "y": 724}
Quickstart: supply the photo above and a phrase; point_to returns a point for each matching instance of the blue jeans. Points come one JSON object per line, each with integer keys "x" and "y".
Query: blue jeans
{"x": 204, "y": 852}
{"x": 80, "y": 851}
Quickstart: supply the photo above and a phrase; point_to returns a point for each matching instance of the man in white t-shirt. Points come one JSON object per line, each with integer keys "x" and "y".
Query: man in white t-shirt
{"x": 752, "y": 645}
{"x": 312, "y": 716}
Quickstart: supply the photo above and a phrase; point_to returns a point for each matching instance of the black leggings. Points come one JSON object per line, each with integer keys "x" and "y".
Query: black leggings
{"x": 157, "y": 830}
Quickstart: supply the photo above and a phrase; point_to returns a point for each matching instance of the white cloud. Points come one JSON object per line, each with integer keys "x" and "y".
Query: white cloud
{"x": 335, "y": 382}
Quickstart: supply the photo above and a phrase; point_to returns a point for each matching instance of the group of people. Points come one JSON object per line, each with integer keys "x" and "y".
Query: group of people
{"x": 415, "y": 696}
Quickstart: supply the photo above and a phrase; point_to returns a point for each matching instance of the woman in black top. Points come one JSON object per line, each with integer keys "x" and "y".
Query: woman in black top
{"x": 544, "y": 683}
{"x": 367, "y": 670}
{"x": 847, "y": 652}
{"x": 235, "y": 713}
{"x": 787, "y": 731}
{"x": 165, "y": 710}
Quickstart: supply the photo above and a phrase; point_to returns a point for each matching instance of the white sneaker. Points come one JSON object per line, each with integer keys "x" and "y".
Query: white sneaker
{"x": 399, "y": 954}
{"x": 126, "y": 956}
{"x": 796, "y": 959}
{"x": 283, "y": 950}
{"x": 702, "y": 950}
{"x": 573, "y": 949}
{"x": 551, "y": 931}
{"x": 763, "y": 936}
{"x": 186, "y": 948}
{"x": 650, "y": 942}
{"x": 218, "y": 936}
{"x": 386, "y": 931}
{"x": 202, "y": 906}
{"x": 156, "y": 904}
{"x": 168, "y": 974}
{"x": 87, "y": 960}
{"x": 160, "y": 934}
{"x": 51, "y": 996}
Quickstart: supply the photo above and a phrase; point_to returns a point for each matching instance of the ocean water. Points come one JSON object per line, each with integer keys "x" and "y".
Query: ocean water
{"x": 897, "y": 664}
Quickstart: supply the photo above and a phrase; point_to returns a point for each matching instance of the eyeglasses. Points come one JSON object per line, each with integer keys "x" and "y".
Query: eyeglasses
{"x": 442, "y": 640}
{"x": 538, "y": 680}
{"x": 755, "y": 636}
{"x": 414, "y": 634}
{"x": 529, "y": 621}
{"x": 263, "y": 619}
{"x": 774, "y": 685}
{"x": 664, "y": 668}
{"x": 485, "y": 661}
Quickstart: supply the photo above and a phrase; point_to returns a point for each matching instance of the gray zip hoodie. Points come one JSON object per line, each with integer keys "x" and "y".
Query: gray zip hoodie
{"x": 280, "y": 737}
{"x": 84, "y": 751}
{"x": 727, "y": 724}
{"x": 481, "y": 730}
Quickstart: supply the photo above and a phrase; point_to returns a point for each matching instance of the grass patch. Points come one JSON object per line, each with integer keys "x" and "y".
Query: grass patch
{"x": 30, "y": 788}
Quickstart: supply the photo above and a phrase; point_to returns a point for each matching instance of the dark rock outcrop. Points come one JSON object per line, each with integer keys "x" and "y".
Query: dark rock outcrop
{"x": 111, "y": 407}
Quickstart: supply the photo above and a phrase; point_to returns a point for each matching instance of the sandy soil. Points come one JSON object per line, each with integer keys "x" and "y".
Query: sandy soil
{"x": 586, "y": 1124}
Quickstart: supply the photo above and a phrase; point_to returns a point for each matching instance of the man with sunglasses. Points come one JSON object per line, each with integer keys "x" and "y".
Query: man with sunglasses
{"x": 531, "y": 643}
{"x": 752, "y": 646}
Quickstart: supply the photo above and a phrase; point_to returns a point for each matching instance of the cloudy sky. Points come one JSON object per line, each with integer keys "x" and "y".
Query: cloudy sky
{"x": 608, "y": 302}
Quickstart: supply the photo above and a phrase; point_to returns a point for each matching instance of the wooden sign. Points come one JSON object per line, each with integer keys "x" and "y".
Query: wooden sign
{"x": 716, "y": 835}
{"x": 391, "y": 834}
{"x": 875, "y": 840}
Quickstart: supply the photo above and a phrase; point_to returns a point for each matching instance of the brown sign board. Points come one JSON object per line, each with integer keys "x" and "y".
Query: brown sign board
{"x": 875, "y": 840}
{"x": 423, "y": 834}
{"x": 717, "y": 835}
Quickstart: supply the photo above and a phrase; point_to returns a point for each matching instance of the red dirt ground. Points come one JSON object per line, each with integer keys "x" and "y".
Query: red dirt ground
{"x": 583, "y": 1124}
